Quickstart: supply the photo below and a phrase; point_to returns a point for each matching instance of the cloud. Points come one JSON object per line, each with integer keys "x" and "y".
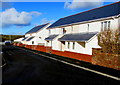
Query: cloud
{"x": 45, "y": 20}
{"x": 12, "y": 17}
{"x": 78, "y": 4}
{"x": 35, "y": 13}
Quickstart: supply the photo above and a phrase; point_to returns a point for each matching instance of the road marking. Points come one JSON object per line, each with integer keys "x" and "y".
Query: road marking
{"x": 87, "y": 69}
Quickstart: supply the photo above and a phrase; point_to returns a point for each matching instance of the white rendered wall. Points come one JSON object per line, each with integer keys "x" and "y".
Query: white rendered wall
{"x": 18, "y": 40}
{"x": 93, "y": 43}
{"x": 115, "y": 23}
{"x": 82, "y": 47}
{"x": 78, "y": 48}
{"x": 56, "y": 45}
{"x": 39, "y": 36}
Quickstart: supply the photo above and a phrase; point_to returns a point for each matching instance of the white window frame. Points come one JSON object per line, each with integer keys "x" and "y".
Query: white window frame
{"x": 73, "y": 46}
{"x": 105, "y": 25}
{"x": 68, "y": 45}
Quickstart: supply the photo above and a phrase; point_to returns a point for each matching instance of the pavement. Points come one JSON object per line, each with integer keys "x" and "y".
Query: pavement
{"x": 27, "y": 68}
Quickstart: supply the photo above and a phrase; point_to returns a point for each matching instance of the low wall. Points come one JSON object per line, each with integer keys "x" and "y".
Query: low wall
{"x": 97, "y": 58}
{"x": 106, "y": 59}
{"x": 18, "y": 44}
{"x": 78, "y": 56}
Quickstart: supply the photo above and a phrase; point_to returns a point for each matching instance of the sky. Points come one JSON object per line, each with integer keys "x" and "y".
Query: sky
{"x": 19, "y": 17}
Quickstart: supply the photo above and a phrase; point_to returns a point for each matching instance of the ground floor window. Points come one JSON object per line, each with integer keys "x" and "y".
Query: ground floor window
{"x": 41, "y": 43}
{"x": 68, "y": 45}
{"x": 73, "y": 45}
{"x": 32, "y": 42}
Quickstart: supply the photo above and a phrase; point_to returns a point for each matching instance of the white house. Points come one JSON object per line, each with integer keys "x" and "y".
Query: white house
{"x": 36, "y": 35}
{"x": 78, "y": 33}
{"x": 19, "y": 39}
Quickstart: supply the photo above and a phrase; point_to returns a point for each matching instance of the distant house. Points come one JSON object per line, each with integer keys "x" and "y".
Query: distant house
{"x": 78, "y": 33}
{"x": 19, "y": 39}
{"x": 36, "y": 35}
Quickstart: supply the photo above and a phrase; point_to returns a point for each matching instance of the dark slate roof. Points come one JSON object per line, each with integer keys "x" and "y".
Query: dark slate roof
{"x": 97, "y": 13}
{"x": 78, "y": 37}
{"x": 51, "y": 37}
{"x": 24, "y": 38}
{"x": 30, "y": 38}
{"x": 37, "y": 28}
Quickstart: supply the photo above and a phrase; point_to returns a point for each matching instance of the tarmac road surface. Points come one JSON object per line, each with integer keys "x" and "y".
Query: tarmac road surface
{"x": 26, "y": 68}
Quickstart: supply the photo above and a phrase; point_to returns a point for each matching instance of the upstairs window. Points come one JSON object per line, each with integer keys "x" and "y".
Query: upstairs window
{"x": 49, "y": 32}
{"x": 109, "y": 24}
{"x": 101, "y": 26}
{"x": 105, "y": 25}
{"x": 63, "y": 30}
{"x": 88, "y": 27}
{"x": 71, "y": 28}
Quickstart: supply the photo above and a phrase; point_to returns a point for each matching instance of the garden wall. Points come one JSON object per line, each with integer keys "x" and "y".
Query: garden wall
{"x": 97, "y": 58}
{"x": 106, "y": 59}
{"x": 78, "y": 56}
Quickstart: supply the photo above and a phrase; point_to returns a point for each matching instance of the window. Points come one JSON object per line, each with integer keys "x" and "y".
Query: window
{"x": 73, "y": 45}
{"x": 105, "y": 25}
{"x": 68, "y": 45}
{"x": 71, "y": 28}
{"x": 101, "y": 26}
{"x": 49, "y": 32}
{"x": 32, "y": 42}
{"x": 88, "y": 28}
{"x": 108, "y": 24}
{"x": 64, "y": 31}
{"x": 41, "y": 44}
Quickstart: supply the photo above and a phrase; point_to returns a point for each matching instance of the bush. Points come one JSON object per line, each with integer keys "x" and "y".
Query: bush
{"x": 109, "y": 40}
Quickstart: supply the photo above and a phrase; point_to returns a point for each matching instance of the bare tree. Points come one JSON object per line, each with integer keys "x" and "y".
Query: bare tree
{"x": 109, "y": 40}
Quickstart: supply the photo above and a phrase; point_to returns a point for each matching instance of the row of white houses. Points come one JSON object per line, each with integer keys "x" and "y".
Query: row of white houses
{"x": 76, "y": 33}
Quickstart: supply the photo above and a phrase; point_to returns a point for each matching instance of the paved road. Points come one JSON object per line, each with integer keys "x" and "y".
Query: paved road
{"x": 27, "y": 68}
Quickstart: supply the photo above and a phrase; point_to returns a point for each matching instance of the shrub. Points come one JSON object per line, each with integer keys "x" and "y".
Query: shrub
{"x": 109, "y": 40}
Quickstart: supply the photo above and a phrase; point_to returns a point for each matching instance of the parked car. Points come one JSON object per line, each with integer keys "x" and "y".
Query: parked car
{"x": 7, "y": 42}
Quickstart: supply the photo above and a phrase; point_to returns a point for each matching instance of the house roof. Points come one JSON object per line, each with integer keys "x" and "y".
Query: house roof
{"x": 80, "y": 37}
{"x": 30, "y": 38}
{"x": 97, "y": 13}
{"x": 37, "y": 28}
{"x": 51, "y": 37}
{"x": 24, "y": 38}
